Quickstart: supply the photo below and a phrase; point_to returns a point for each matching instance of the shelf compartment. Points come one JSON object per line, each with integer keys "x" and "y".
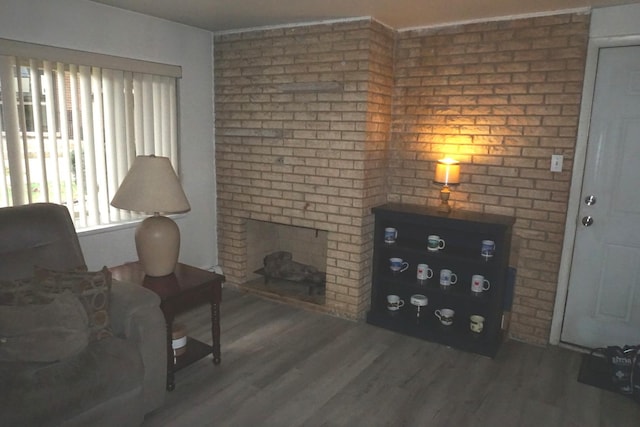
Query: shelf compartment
{"x": 428, "y": 327}
{"x": 195, "y": 351}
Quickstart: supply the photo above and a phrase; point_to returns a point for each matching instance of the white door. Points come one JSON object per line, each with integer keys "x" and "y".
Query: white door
{"x": 603, "y": 301}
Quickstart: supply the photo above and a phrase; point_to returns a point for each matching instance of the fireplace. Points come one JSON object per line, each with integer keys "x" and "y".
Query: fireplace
{"x": 302, "y": 136}
{"x": 307, "y": 247}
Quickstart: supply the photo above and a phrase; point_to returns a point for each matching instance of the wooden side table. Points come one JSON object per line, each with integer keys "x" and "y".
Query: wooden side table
{"x": 183, "y": 290}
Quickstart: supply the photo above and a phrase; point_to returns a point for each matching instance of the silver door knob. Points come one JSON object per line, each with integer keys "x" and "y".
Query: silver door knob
{"x": 590, "y": 200}
{"x": 587, "y": 221}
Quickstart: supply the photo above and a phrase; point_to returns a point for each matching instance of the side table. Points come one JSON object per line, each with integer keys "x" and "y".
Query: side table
{"x": 183, "y": 290}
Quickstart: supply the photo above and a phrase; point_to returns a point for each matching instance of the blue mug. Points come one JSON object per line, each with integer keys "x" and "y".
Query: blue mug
{"x": 488, "y": 248}
{"x": 390, "y": 235}
{"x": 398, "y": 265}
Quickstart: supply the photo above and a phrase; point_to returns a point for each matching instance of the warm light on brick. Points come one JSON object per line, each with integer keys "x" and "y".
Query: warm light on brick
{"x": 500, "y": 97}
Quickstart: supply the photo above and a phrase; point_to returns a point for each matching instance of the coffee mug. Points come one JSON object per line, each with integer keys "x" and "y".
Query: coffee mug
{"x": 435, "y": 243}
{"x": 445, "y": 315}
{"x": 390, "y": 235}
{"x": 398, "y": 265}
{"x": 424, "y": 272}
{"x": 488, "y": 248}
{"x": 447, "y": 277}
{"x": 394, "y": 302}
{"x": 479, "y": 283}
{"x": 476, "y": 323}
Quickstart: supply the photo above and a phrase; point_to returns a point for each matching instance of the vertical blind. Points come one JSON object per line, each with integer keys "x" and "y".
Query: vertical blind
{"x": 70, "y": 132}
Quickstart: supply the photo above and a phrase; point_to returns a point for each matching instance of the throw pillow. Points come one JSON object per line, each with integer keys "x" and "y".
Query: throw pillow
{"x": 51, "y": 329}
{"x": 93, "y": 289}
{"x": 20, "y": 292}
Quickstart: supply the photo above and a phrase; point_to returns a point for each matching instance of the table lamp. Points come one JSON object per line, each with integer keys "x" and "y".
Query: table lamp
{"x": 152, "y": 186}
{"x": 447, "y": 174}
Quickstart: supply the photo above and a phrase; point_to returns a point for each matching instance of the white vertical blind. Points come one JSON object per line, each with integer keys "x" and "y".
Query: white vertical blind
{"x": 39, "y": 179}
{"x": 52, "y": 133}
{"x": 15, "y": 161}
{"x": 147, "y": 114}
{"x": 86, "y": 100}
{"x": 65, "y": 150}
{"x": 70, "y": 132}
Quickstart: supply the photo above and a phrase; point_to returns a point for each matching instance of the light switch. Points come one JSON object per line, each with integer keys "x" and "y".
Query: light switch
{"x": 556, "y": 162}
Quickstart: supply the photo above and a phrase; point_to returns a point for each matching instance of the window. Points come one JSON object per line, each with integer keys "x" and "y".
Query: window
{"x": 71, "y": 124}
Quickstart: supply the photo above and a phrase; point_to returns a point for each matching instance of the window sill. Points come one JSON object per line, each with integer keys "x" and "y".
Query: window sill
{"x": 108, "y": 228}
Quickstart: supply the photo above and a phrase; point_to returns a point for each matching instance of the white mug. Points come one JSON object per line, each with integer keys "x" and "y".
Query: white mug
{"x": 435, "y": 243}
{"x": 445, "y": 315}
{"x": 394, "y": 302}
{"x": 447, "y": 277}
{"x": 390, "y": 235}
{"x": 424, "y": 272}
{"x": 476, "y": 323}
{"x": 398, "y": 265}
{"x": 479, "y": 283}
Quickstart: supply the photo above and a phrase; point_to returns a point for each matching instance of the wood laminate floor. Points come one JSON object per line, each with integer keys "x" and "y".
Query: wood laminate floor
{"x": 284, "y": 366}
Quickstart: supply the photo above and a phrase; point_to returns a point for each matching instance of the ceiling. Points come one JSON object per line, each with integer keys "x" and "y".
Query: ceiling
{"x": 229, "y": 15}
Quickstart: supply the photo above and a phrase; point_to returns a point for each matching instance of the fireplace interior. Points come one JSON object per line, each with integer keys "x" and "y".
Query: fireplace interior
{"x": 305, "y": 258}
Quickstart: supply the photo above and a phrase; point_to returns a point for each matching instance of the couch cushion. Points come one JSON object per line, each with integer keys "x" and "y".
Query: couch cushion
{"x": 92, "y": 288}
{"x": 38, "y": 327}
{"x": 47, "y": 394}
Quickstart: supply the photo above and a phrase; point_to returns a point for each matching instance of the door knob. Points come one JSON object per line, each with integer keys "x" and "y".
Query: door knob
{"x": 587, "y": 221}
{"x": 590, "y": 200}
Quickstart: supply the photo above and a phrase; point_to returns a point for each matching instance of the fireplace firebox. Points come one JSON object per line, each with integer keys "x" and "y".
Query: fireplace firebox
{"x": 286, "y": 261}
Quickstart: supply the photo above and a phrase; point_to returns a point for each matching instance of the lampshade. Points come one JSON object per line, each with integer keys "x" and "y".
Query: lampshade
{"x": 447, "y": 172}
{"x": 152, "y": 186}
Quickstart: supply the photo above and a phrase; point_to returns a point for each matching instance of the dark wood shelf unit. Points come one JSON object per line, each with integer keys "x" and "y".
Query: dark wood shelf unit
{"x": 463, "y": 233}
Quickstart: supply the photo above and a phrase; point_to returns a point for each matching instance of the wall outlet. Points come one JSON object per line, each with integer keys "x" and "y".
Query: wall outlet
{"x": 556, "y": 162}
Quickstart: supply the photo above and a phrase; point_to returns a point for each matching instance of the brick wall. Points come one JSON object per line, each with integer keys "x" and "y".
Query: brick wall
{"x": 500, "y": 97}
{"x": 302, "y": 122}
{"x": 380, "y": 109}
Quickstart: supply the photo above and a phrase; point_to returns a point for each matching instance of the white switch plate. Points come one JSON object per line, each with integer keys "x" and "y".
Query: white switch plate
{"x": 556, "y": 162}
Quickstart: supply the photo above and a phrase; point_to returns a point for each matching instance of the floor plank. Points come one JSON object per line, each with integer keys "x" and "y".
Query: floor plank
{"x": 284, "y": 366}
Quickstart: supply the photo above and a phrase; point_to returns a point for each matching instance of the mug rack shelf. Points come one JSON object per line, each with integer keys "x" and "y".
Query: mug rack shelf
{"x": 463, "y": 233}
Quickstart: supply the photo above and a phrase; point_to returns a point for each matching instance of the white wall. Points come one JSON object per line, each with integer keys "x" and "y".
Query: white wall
{"x": 88, "y": 26}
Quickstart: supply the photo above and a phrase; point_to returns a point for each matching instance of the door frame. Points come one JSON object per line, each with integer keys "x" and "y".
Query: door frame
{"x": 610, "y": 27}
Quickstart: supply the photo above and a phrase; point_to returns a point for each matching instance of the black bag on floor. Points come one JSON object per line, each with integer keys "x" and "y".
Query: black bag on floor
{"x": 622, "y": 361}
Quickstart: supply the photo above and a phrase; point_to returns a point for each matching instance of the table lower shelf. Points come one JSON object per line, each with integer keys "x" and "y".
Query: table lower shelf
{"x": 458, "y": 335}
{"x": 195, "y": 351}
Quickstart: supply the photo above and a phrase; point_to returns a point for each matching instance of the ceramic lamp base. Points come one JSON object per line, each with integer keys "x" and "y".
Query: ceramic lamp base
{"x": 445, "y": 193}
{"x": 158, "y": 245}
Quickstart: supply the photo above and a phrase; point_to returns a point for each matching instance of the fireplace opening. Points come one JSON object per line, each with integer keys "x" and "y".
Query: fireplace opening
{"x": 286, "y": 261}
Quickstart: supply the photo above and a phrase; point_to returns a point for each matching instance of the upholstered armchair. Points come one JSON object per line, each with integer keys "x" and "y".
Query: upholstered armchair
{"x": 76, "y": 347}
